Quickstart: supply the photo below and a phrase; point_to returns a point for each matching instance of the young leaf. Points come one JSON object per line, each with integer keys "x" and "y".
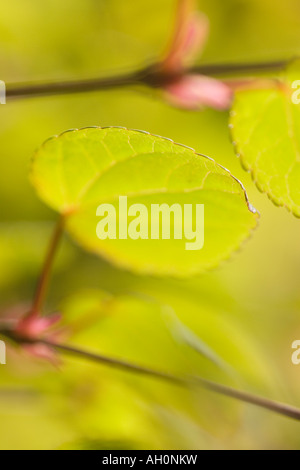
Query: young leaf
{"x": 82, "y": 169}
{"x": 265, "y": 126}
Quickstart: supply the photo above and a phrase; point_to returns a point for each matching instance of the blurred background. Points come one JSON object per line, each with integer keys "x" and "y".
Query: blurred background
{"x": 247, "y": 310}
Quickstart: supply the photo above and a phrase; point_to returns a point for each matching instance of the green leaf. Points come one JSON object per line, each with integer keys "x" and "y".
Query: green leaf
{"x": 265, "y": 126}
{"x": 81, "y": 169}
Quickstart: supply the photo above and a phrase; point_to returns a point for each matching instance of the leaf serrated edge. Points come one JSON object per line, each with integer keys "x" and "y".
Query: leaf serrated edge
{"x": 241, "y": 156}
{"x": 251, "y": 208}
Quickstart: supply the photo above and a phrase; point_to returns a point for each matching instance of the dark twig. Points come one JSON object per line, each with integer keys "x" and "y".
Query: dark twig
{"x": 184, "y": 381}
{"x": 150, "y": 76}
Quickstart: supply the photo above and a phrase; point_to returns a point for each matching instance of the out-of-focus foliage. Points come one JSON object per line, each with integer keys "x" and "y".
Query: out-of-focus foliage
{"x": 265, "y": 132}
{"x": 247, "y": 311}
{"x": 80, "y": 170}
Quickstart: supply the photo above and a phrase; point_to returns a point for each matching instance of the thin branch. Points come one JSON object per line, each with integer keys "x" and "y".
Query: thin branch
{"x": 72, "y": 86}
{"x": 43, "y": 282}
{"x": 115, "y": 363}
{"x": 150, "y": 76}
{"x": 184, "y": 381}
{"x": 190, "y": 381}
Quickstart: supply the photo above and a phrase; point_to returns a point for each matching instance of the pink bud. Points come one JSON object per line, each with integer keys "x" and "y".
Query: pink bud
{"x": 189, "y": 41}
{"x": 195, "y": 92}
{"x": 34, "y": 325}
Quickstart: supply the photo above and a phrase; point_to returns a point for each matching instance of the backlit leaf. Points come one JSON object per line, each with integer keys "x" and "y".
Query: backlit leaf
{"x": 81, "y": 169}
{"x": 265, "y": 127}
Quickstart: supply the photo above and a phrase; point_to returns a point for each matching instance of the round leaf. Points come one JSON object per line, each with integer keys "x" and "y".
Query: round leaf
{"x": 76, "y": 172}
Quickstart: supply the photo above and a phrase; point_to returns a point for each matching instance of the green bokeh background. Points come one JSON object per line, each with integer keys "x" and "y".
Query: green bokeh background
{"x": 247, "y": 310}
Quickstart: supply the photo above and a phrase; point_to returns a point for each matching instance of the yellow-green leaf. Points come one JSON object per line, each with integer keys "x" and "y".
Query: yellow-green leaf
{"x": 265, "y": 126}
{"x": 81, "y": 169}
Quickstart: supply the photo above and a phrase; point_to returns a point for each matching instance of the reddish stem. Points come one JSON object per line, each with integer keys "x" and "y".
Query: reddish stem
{"x": 44, "y": 279}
